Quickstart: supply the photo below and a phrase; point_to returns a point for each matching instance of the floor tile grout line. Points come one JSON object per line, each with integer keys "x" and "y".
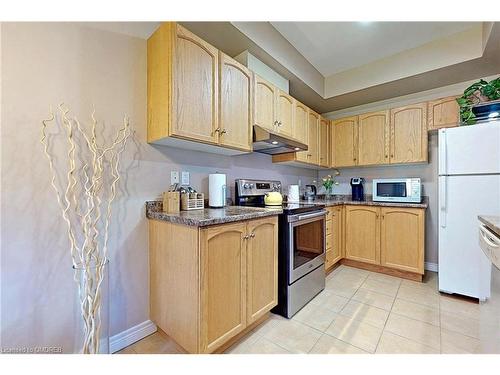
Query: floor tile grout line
{"x": 390, "y": 311}
{"x": 350, "y": 299}
{"x": 406, "y": 338}
{"x": 348, "y": 343}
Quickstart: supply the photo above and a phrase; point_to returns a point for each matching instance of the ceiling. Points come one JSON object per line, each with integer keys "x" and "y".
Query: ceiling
{"x": 333, "y": 47}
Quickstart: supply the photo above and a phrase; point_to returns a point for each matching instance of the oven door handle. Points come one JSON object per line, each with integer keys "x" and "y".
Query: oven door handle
{"x": 299, "y": 217}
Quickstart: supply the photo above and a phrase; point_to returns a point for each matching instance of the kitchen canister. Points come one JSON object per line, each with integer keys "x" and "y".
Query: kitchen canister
{"x": 217, "y": 190}
{"x": 293, "y": 193}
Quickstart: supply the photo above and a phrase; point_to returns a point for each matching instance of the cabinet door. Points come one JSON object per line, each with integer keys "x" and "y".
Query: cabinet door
{"x": 265, "y": 106}
{"x": 409, "y": 134}
{"x": 443, "y": 113}
{"x": 236, "y": 104}
{"x": 313, "y": 152}
{"x": 402, "y": 239}
{"x": 362, "y": 232}
{"x": 262, "y": 267}
{"x": 373, "y": 138}
{"x": 344, "y": 142}
{"x": 284, "y": 116}
{"x": 324, "y": 142}
{"x": 337, "y": 234}
{"x": 195, "y": 91}
{"x": 223, "y": 284}
{"x": 301, "y": 128}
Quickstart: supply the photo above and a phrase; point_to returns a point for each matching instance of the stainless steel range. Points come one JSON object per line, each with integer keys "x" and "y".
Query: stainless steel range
{"x": 301, "y": 255}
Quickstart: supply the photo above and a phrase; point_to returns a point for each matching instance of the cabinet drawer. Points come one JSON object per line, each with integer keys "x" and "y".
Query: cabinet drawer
{"x": 329, "y": 242}
{"x": 329, "y": 259}
{"x": 329, "y": 227}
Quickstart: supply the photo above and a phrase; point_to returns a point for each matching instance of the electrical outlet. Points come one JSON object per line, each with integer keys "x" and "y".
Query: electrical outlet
{"x": 184, "y": 178}
{"x": 174, "y": 177}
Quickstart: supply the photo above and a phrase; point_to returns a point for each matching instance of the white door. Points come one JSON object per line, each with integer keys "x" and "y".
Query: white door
{"x": 473, "y": 149}
{"x": 463, "y": 267}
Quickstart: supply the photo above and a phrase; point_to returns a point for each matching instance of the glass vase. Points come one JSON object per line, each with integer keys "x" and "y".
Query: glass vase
{"x": 329, "y": 193}
{"x": 92, "y": 308}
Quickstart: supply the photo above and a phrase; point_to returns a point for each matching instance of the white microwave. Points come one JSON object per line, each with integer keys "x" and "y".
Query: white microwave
{"x": 408, "y": 190}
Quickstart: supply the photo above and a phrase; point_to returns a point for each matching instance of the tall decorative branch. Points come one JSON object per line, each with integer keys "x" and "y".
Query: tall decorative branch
{"x": 92, "y": 173}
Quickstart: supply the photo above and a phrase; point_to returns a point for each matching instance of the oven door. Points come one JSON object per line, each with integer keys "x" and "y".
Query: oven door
{"x": 306, "y": 243}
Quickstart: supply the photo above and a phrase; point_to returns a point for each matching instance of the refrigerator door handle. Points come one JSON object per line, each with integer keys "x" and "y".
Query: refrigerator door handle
{"x": 442, "y": 202}
{"x": 442, "y": 152}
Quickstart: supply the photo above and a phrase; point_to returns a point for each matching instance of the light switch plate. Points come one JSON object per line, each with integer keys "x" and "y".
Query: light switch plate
{"x": 184, "y": 178}
{"x": 174, "y": 177}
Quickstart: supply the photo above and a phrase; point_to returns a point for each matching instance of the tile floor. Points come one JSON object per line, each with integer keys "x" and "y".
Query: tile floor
{"x": 364, "y": 312}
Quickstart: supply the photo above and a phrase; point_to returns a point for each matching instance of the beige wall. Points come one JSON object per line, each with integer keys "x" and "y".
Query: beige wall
{"x": 42, "y": 65}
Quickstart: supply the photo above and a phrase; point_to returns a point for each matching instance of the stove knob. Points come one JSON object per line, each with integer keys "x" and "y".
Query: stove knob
{"x": 246, "y": 185}
{"x": 251, "y": 186}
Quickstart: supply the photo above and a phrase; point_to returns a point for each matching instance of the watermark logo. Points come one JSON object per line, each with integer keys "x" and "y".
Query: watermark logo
{"x": 32, "y": 350}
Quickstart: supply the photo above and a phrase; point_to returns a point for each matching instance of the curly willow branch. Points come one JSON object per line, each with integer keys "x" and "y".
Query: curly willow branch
{"x": 89, "y": 188}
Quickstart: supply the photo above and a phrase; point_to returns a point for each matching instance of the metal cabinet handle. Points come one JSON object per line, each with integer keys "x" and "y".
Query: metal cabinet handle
{"x": 224, "y": 131}
{"x": 252, "y": 235}
{"x": 246, "y": 237}
{"x": 217, "y": 130}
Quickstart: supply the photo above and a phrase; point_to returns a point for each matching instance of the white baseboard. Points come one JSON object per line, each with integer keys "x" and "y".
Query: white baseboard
{"x": 431, "y": 266}
{"x": 123, "y": 339}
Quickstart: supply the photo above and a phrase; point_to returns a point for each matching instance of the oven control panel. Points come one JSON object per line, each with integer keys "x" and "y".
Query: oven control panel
{"x": 256, "y": 187}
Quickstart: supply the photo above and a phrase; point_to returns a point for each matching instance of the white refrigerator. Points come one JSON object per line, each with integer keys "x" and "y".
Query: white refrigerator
{"x": 469, "y": 185}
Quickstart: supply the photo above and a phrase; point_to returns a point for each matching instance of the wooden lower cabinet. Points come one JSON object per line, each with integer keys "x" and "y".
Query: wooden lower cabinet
{"x": 209, "y": 284}
{"x": 262, "y": 268}
{"x": 391, "y": 237}
{"x": 402, "y": 239}
{"x": 362, "y": 234}
{"x": 338, "y": 233}
{"x": 223, "y": 284}
{"x": 334, "y": 236}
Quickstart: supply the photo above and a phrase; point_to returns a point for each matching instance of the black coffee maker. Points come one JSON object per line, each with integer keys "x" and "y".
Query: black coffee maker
{"x": 357, "y": 189}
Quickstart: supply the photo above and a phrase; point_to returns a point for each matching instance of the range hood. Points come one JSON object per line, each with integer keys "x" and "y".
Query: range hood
{"x": 268, "y": 142}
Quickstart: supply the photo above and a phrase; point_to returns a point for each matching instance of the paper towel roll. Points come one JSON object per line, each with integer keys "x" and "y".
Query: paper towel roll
{"x": 217, "y": 190}
{"x": 293, "y": 193}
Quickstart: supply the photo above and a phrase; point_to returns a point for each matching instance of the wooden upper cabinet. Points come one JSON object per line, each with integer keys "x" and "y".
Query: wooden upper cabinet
{"x": 301, "y": 128}
{"x": 324, "y": 142}
{"x": 265, "y": 104}
{"x": 443, "y": 113}
{"x": 236, "y": 104}
{"x": 409, "y": 134}
{"x": 284, "y": 113}
{"x": 402, "y": 239}
{"x": 344, "y": 142}
{"x": 223, "y": 283}
{"x": 262, "y": 267}
{"x": 195, "y": 88}
{"x": 313, "y": 152}
{"x": 362, "y": 234}
{"x": 373, "y": 138}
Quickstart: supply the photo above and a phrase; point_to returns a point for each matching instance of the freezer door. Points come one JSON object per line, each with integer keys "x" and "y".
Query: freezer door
{"x": 463, "y": 267}
{"x": 473, "y": 149}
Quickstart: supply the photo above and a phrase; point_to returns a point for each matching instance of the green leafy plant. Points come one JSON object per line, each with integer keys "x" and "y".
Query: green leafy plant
{"x": 481, "y": 91}
{"x": 329, "y": 181}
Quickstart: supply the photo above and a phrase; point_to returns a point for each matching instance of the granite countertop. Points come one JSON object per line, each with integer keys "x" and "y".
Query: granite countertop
{"x": 491, "y": 222}
{"x": 338, "y": 200}
{"x": 209, "y": 216}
